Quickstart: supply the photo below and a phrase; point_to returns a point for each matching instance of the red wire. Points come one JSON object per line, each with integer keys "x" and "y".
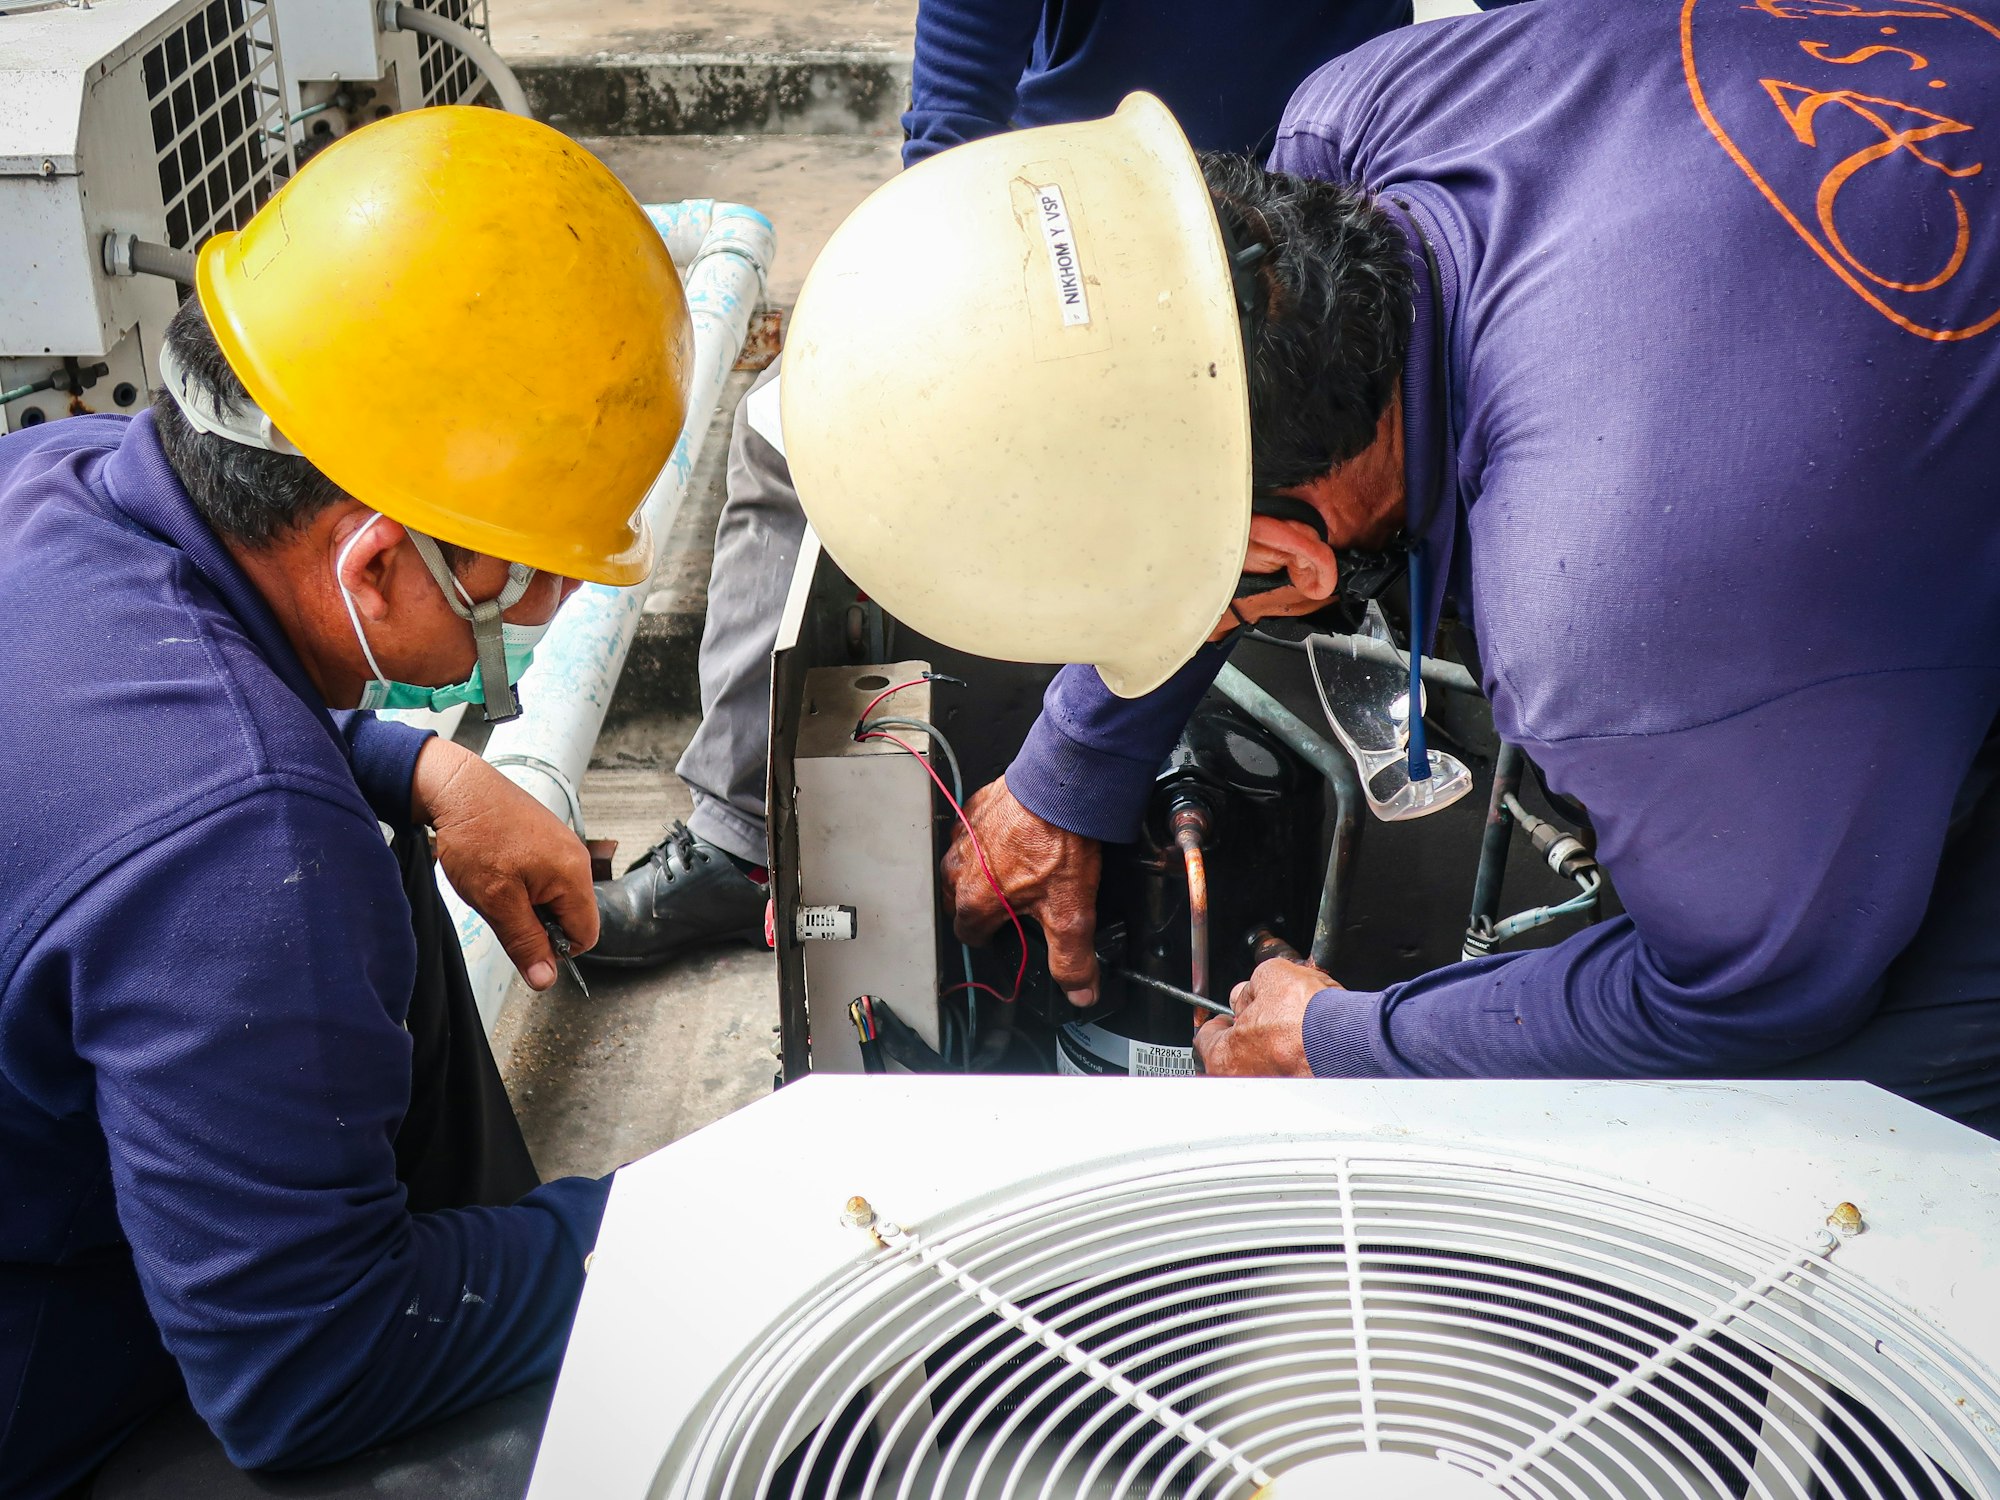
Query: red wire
{"x": 973, "y": 984}
{"x": 985, "y": 869}
{"x": 913, "y": 682}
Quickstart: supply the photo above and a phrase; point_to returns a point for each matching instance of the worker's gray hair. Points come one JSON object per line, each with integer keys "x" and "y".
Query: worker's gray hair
{"x": 247, "y": 495}
{"x": 1326, "y": 354}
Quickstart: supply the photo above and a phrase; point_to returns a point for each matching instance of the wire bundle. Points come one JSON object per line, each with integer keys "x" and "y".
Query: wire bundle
{"x": 879, "y": 729}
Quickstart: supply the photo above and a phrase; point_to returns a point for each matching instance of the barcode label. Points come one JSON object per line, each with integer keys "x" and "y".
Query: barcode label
{"x": 1151, "y": 1060}
{"x": 825, "y": 924}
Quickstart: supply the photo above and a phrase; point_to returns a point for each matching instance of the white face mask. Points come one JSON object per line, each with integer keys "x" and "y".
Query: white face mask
{"x": 517, "y": 642}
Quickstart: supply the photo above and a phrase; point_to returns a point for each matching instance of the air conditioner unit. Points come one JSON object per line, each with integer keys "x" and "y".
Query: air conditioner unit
{"x": 160, "y": 119}
{"x": 1047, "y": 1289}
{"x": 347, "y": 63}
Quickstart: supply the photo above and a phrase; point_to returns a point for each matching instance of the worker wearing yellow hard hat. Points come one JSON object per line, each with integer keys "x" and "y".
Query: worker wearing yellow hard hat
{"x": 419, "y": 396}
{"x": 523, "y": 418}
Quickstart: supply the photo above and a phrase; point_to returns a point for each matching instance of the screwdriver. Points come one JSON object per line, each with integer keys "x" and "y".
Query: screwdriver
{"x": 1161, "y": 987}
{"x": 559, "y": 940}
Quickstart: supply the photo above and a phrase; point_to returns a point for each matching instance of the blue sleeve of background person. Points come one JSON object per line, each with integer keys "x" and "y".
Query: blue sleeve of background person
{"x": 1771, "y": 863}
{"x": 265, "y": 951}
{"x": 968, "y": 63}
{"x": 384, "y": 756}
{"x": 1089, "y": 760}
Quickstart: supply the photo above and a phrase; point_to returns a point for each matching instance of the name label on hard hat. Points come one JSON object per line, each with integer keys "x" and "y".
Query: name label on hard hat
{"x": 1061, "y": 241}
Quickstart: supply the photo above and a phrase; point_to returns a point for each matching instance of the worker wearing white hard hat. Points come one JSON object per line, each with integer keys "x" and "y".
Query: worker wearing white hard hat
{"x": 1587, "y": 349}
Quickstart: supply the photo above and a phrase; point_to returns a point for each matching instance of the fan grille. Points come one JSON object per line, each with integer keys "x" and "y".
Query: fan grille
{"x": 1561, "y": 1340}
{"x": 217, "y": 107}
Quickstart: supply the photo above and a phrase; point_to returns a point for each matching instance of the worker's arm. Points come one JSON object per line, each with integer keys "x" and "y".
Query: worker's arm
{"x": 1083, "y": 775}
{"x": 1771, "y": 862}
{"x": 1088, "y": 762}
{"x": 970, "y": 55}
{"x": 384, "y": 755}
{"x": 238, "y": 989}
{"x": 502, "y": 850}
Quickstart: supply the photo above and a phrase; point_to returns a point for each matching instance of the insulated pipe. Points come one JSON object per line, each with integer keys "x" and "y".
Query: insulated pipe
{"x": 1340, "y": 775}
{"x": 128, "y": 255}
{"x": 506, "y": 87}
{"x": 568, "y": 687}
{"x": 1507, "y": 768}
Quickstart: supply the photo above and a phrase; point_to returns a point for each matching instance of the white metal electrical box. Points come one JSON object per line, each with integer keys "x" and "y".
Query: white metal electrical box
{"x": 344, "y": 70}
{"x": 865, "y": 843}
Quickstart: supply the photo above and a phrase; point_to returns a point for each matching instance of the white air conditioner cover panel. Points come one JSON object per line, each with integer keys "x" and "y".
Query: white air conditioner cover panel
{"x": 1556, "y": 1291}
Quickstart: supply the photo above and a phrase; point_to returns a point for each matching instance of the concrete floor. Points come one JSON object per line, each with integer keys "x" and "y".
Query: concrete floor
{"x": 646, "y": 1057}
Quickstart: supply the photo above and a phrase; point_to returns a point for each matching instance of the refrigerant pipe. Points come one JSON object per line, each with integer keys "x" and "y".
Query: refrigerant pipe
{"x": 1340, "y": 776}
{"x": 1190, "y": 826}
{"x": 567, "y": 689}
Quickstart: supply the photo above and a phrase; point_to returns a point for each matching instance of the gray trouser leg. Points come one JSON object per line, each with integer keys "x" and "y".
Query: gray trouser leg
{"x": 756, "y": 545}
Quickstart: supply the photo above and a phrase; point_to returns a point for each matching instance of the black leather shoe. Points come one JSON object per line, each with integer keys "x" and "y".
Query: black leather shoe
{"x": 683, "y": 892}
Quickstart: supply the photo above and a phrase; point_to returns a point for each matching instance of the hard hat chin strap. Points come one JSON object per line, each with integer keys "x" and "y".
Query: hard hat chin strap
{"x": 500, "y": 703}
{"x": 249, "y": 426}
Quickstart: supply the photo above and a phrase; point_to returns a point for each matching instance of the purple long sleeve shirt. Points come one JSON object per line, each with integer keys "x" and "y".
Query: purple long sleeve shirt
{"x": 1722, "y": 322}
{"x": 205, "y": 960}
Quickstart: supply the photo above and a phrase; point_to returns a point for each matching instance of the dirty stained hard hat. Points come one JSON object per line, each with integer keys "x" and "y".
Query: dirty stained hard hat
{"x": 464, "y": 320}
{"x": 1014, "y": 398}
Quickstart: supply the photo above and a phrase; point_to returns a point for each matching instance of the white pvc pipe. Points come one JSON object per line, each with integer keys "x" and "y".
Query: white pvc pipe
{"x": 567, "y": 689}
{"x": 684, "y": 226}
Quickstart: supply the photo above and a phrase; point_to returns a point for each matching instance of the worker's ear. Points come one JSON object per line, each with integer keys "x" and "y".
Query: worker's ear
{"x": 366, "y": 557}
{"x": 1294, "y": 548}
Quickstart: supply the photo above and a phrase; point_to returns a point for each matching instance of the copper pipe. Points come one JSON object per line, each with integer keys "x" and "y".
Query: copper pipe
{"x": 1190, "y": 823}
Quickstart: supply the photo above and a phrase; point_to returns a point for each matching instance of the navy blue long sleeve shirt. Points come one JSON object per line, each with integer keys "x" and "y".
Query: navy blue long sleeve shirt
{"x": 984, "y": 66}
{"x": 205, "y": 960}
{"x": 1722, "y": 324}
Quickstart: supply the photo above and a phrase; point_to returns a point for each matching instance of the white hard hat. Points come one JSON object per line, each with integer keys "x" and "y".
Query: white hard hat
{"x": 1014, "y": 398}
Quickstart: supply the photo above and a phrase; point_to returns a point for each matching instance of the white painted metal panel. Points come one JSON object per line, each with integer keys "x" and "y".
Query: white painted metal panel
{"x": 710, "y": 1243}
{"x": 865, "y": 842}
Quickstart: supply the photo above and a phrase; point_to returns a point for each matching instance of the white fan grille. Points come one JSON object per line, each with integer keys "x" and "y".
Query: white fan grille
{"x": 1561, "y": 1340}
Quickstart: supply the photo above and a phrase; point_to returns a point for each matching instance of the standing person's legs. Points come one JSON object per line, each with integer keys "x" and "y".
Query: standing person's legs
{"x": 704, "y": 881}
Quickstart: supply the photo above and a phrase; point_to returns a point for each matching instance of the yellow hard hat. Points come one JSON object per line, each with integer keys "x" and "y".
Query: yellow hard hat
{"x": 466, "y": 322}
{"x": 1014, "y": 398}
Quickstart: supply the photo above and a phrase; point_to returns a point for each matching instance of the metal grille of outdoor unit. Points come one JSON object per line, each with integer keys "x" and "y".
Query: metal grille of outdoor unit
{"x": 1547, "y": 1339}
{"x": 218, "y": 112}
{"x": 448, "y": 76}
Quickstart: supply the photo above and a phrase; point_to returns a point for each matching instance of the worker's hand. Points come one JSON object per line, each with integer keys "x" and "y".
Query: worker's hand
{"x": 505, "y": 854}
{"x": 1048, "y": 873}
{"x": 1266, "y": 1036}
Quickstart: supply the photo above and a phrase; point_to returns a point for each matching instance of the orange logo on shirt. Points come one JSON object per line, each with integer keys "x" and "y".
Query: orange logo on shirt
{"x": 1882, "y": 201}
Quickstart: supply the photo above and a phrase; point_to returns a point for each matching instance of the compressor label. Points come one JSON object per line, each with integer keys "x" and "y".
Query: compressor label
{"x": 1087, "y": 1051}
{"x": 1151, "y": 1060}
{"x": 1061, "y": 241}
